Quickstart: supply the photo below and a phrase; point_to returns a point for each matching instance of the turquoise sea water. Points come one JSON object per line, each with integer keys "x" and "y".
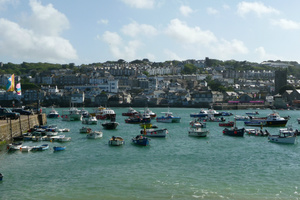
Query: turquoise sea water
{"x": 176, "y": 167}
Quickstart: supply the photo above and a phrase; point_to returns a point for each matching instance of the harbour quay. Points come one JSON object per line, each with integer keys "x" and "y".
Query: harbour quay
{"x": 10, "y": 128}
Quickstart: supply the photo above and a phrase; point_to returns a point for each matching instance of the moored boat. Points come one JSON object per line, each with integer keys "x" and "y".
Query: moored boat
{"x": 59, "y": 148}
{"x": 130, "y": 112}
{"x": 91, "y": 120}
{"x": 14, "y": 146}
{"x": 73, "y": 114}
{"x": 140, "y": 140}
{"x": 85, "y": 130}
{"x": 234, "y": 131}
{"x": 198, "y": 132}
{"x": 41, "y": 147}
{"x": 104, "y": 113}
{"x": 116, "y": 141}
{"x": 110, "y": 125}
{"x": 53, "y": 113}
{"x": 272, "y": 119}
{"x": 285, "y": 138}
{"x": 168, "y": 118}
{"x": 25, "y": 148}
{"x": 155, "y": 132}
{"x": 1, "y": 176}
{"x": 94, "y": 135}
{"x": 227, "y": 124}
{"x": 205, "y": 113}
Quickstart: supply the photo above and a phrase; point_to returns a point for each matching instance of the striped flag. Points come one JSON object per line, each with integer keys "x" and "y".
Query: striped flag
{"x": 10, "y": 87}
{"x": 18, "y": 88}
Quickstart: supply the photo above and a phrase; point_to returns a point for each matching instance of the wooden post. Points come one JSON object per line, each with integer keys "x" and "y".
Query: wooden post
{"x": 11, "y": 135}
{"x": 20, "y": 125}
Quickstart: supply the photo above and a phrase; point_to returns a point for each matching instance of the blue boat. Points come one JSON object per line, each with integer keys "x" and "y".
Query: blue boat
{"x": 41, "y": 147}
{"x": 59, "y": 148}
{"x": 140, "y": 140}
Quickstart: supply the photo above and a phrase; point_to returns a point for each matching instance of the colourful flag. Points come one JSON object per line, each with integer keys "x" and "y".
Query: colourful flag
{"x": 10, "y": 87}
{"x": 18, "y": 88}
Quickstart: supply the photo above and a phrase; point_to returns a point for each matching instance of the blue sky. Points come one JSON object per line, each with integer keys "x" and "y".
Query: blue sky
{"x": 90, "y": 31}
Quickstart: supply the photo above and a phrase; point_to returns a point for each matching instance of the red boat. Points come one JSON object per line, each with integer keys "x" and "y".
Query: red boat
{"x": 228, "y": 124}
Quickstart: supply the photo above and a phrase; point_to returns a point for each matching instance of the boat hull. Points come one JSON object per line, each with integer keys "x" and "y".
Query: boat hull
{"x": 234, "y": 132}
{"x": 140, "y": 140}
{"x": 198, "y": 132}
{"x": 281, "y": 123}
{"x": 110, "y": 125}
{"x": 155, "y": 132}
{"x": 282, "y": 139}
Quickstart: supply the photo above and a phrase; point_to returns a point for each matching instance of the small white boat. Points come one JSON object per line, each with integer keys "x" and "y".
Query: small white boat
{"x": 155, "y": 132}
{"x": 285, "y": 138}
{"x": 94, "y": 135}
{"x": 14, "y": 146}
{"x": 85, "y": 130}
{"x": 64, "y": 139}
{"x": 73, "y": 114}
{"x": 53, "y": 113}
{"x": 92, "y": 120}
{"x": 116, "y": 141}
{"x": 198, "y": 132}
{"x": 25, "y": 148}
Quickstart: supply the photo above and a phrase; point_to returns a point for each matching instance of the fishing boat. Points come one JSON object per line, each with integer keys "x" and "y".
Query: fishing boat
{"x": 84, "y": 113}
{"x": 252, "y": 113}
{"x": 110, "y": 125}
{"x": 241, "y": 118}
{"x": 130, "y": 112}
{"x": 272, "y": 119}
{"x": 104, "y": 113}
{"x": 234, "y": 131}
{"x": 197, "y": 124}
{"x": 73, "y": 114}
{"x": 1, "y": 176}
{"x": 150, "y": 113}
{"x": 92, "y": 120}
{"x": 285, "y": 138}
{"x": 59, "y": 148}
{"x": 94, "y": 135}
{"x": 64, "y": 139}
{"x": 140, "y": 140}
{"x": 14, "y": 146}
{"x": 53, "y": 113}
{"x": 224, "y": 113}
{"x": 116, "y": 141}
{"x": 134, "y": 119}
{"x": 205, "y": 113}
{"x": 85, "y": 130}
{"x": 155, "y": 132}
{"x": 213, "y": 119}
{"x": 198, "y": 132}
{"x": 256, "y": 132}
{"x": 42, "y": 147}
{"x": 227, "y": 124}
{"x": 168, "y": 118}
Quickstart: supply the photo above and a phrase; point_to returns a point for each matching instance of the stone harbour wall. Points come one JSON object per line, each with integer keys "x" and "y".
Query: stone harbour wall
{"x": 13, "y": 128}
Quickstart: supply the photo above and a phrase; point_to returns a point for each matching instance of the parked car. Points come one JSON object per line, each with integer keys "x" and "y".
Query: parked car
{"x": 22, "y": 111}
{"x": 7, "y": 113}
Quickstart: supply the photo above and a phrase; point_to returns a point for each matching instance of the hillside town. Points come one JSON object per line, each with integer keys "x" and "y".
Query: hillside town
{"x": 139, "y": 84}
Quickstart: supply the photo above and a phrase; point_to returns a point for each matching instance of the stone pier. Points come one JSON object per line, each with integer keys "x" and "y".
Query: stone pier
{"x": 13, "y": 128}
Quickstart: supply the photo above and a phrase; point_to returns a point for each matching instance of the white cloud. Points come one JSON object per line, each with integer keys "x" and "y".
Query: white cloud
{"x": 102, "y": 21}
{"x": 21, "y": 43}
{"x": 134, "y": 29}
{"x": 118, "y": 48}
{"x": 212, "y": 11}
{"x": 204, "y": 41}
{"x": 172, "y": 55}
{"x": 142, "y": 4}
{"x": 263, "y": 55}
{"x": 185, "y": 10}
{"x": 258, "y": 8}
{"x": 286, "y": 24}
{"x": 46, "y": 20}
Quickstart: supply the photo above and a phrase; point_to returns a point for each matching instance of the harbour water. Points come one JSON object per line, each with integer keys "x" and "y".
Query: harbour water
{"x": 176, "y": 167}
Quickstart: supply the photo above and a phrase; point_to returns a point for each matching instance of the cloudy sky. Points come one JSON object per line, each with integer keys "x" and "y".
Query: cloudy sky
{"x": 89, "y": 31}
